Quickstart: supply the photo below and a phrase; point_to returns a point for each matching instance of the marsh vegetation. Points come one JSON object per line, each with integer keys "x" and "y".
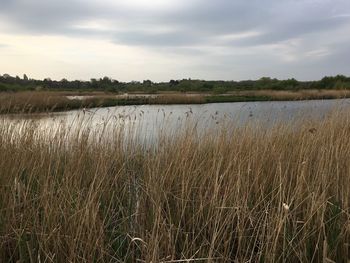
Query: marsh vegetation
{"x": 237, "y": 194}
{"x": 53, "y": 101}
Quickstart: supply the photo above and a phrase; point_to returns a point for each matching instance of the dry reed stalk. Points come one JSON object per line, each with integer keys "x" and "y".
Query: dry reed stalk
{"x": 279, "y": 195}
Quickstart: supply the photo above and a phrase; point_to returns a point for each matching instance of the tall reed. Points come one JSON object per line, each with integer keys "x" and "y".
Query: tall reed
{"x": 238, "y": 195}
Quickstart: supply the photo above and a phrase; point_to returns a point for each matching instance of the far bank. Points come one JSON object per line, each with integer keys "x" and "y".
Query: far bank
{"x": 52, "y": 101}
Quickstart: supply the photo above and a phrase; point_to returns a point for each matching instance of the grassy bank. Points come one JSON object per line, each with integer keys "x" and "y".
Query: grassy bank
{"x": 280, "y": 195}
{"x": 43, "y": 101}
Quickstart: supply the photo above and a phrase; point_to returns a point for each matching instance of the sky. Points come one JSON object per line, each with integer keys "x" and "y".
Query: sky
{"x": 175, "y": 39}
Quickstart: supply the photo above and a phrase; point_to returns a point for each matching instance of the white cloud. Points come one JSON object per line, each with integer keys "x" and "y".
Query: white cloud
{"x": 321, "y": 52}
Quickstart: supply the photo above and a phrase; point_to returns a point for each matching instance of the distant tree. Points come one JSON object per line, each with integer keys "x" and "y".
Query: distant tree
{"x": 207, "y": 86}
{"x": 174, "y": 82}
{"x": 289, "y": 83}
{"x": 47, "y": 83}
{"x": 147, "y": 83}
{"x": 339, "y": 84}
{"x": 219, "y": 90}
{"x": 265, "y": 79}
{"x": 94, "y": 83}
{"x": 25, "y": 78}
{"x": 106, "y": 80}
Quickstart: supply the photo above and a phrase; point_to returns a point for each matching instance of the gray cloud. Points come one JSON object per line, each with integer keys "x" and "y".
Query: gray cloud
{"x": 201, "y": 27}
{"x": 199, "y": 22}
{"x": 279, "y": 33}
{"x": 43, "y": 17}
{"x": 167, "y": 39}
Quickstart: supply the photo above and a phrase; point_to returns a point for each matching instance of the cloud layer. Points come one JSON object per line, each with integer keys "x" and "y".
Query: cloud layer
{"x": 214, "y": 39}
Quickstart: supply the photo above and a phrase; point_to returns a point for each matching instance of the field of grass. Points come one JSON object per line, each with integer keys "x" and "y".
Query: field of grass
{"x": 46, "y": 101}
{"x": 241, "y": 195}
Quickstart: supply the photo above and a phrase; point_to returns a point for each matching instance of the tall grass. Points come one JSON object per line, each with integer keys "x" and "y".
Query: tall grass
{"x": 179, "y": 99}
{"x": 44, "y": 101}
{"x": 311, "y": 94}
{"x": 241, "y": 195}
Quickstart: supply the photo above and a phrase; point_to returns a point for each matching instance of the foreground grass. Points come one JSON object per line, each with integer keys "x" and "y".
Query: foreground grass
{"x": 44, "y": 101}
{"x": 250, "y": 195}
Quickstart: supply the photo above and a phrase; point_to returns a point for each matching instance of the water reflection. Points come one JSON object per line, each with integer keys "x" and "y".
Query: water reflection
{"x": 147, "y": 121}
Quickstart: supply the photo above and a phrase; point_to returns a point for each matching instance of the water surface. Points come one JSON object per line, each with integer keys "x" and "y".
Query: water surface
{"x": 150, "y": 119}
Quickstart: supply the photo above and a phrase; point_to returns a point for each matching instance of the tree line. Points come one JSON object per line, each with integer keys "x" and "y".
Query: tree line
{"x": 10, "y": 83}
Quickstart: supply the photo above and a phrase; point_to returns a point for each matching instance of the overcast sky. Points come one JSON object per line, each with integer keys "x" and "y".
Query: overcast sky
{"x": 175, "y": 39}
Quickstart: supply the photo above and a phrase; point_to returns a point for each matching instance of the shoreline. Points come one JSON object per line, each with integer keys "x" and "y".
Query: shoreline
{"x": 41, "y": 102}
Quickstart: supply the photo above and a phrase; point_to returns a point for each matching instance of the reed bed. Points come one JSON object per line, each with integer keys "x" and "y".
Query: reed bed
{"x": 295, "y": 95}
{"x": 179, "y": 99}
{"x": 45, "y": 101}
{"x": 29, "y": 101}
{"x": 237, "y": 195}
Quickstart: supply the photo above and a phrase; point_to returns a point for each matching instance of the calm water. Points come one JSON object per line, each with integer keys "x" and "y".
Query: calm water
{"x": 150, "y": 119}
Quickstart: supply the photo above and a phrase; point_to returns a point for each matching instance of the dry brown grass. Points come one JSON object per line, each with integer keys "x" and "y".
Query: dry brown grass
{"x": 295, "y": 95}
{"x": 42, "y": 101}
{"x": 31, "y": 101}
{"x": 46, "y": 101}
{"x": 250, "y": 195}
{"x": 179, "y": 99}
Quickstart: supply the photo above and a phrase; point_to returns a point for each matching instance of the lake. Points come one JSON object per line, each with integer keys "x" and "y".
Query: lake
{"x": 152, "y": 119}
